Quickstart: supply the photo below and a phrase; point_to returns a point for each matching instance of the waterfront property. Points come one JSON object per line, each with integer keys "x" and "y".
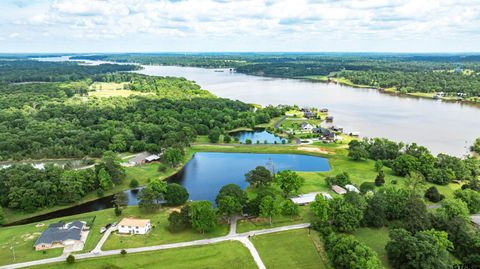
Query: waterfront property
{"x": 59, "y": 235}
{"x": 134, "y": 226}
{"x": 307, "y": 198}
{"x": 142, "y": 158}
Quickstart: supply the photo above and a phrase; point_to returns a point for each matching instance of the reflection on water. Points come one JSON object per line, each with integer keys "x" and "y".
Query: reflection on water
{"x": 442, "y": 127}
{"x": 257, "y": 136}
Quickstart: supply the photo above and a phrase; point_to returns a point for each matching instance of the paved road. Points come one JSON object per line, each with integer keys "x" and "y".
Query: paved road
{"x": 230, "y": 237}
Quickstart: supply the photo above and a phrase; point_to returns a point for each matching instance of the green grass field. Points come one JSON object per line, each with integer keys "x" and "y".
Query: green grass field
{"x": 376, "y": 239}
{"x": 159, "y": 234}
{"x": 263, "y": 223}
{"x": 290, "y": 249}
{"x": 226, "y": 254}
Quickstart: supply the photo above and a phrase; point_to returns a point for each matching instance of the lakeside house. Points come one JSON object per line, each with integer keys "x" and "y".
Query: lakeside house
{"x": 339, "y": 190}
{"x": 143, "y": 157}
{"x": 324, "y": 110}
{"x": 309, "y": 114}
{"x": 306, "y": 126}
{"x": 329, "y": 119}
{"x": 59, "y": 235}
{"x": 134, "y": 226}
{"x": 351, "y": 188}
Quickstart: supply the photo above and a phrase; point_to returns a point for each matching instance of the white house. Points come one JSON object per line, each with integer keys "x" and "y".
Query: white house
{"x": 306, "y": 126}
{"x": 134, "y": 226}
{"x": 350, "y": 187}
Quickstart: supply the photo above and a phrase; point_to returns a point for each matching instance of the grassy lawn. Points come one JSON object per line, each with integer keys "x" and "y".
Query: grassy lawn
{"x": 316, "y": 78}
{"x": 376, "y": 239}
{"x": 263, "y": 223}
{"x": 233, "y": 254}
{"x": 290, "y": 249}
{"x": 159, "y": 234}
{"x": 109, "y": 89}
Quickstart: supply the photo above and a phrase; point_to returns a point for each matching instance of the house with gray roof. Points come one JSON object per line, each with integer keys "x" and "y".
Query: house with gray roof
{"x": 61, "y": 234}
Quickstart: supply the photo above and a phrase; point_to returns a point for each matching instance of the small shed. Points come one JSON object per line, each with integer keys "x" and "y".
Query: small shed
{"x": 351, "y": 188}
{"x": 152, "y": 158}
{"x": 339, "y": 190}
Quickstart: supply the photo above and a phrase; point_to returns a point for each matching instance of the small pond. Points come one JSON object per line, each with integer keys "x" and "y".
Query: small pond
{"x": 204, "y": 175}
{"x": 260, "y": 136}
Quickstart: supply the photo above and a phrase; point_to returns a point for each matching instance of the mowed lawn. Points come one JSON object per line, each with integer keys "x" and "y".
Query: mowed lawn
{"x": 222, "y": 255}
{"x": 290, "y": 249}
{"x": 376, "y": 239}
{"x": 246, "y": 225}
{"x": 159, "y": 233}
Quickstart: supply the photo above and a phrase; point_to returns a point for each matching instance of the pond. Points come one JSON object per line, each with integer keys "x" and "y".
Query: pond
{"x": 260, "y": 136}
{"x": 204, "y": 175}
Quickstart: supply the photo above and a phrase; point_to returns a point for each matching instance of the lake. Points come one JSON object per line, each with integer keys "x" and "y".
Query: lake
{"x": 207, "y": 172}
{"x": 441, "y": 126}
{"x": 203, "y": 176}
{"x": 260, "y": 136}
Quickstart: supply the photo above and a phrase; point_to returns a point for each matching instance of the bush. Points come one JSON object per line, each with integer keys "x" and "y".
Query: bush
{"x": 433, "y": 195}
{"x": 227, "y": 139}
{"x": 134, "y": 183}
{"x": 70, "y": 259}
{"x": 380, "y": 179}
{"x": 162, "y": 168}
{"x": 366, "y": 187}
{"x": 341, "y": 179}
{"x": 123, "y": 252}
{"x": 248, "y": 141}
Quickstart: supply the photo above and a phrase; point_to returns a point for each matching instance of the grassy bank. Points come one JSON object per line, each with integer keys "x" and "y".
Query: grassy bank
{"x": 290, "y": 249}
{"x": 277, "y": 221}
{"x": 232, "y": 253}
{"x": 376, "y": 239}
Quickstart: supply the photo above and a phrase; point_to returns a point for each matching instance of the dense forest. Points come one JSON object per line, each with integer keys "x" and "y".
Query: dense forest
{"x": 57, "y": 119}
{"x": 451, "y": 74}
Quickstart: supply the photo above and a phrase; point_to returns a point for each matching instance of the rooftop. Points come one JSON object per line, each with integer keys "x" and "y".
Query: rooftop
{"x": 59, "y": 232}
{"x": 134, "y": 222}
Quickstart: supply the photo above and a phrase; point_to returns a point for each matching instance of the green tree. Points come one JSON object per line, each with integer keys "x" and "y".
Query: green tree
{"x": 346, "y": 252}
{"x": 452, "y": 208}
{"x": 134, "y": 184}
{"x": 289, "y": 208}
{"x": 158, "y": 188}
{"x": 232, "y": 190}
{"x": 179, "y": 221}
{"x": 229, "y": 206}
{"x": 202, "y": 216}
{"x": 416, "y": 216}
{"x": 433, "y": 195}
{"x": 320, "y": 209}
{"x": 375, "y": 215}
{"x": 366, "y": 187}
{"x": 378, "y": 165}
{"x": 120, "y": 199}
{"x": 172, "y": 156}
{"x": 112, "y": 164}
{"x": 289, "y": 181}
{"x": 380, "y": 179}
{"x": 70, "y": 259}
{"x": 118, "y": 144}
{"x": 268, "y": 208}
{"x": 344, "y": 216}
{"x": 357, "y": 150}
{"x": 214, "y": 136}
{"x": 227, "y": 139}
{"x": 424, "y": 250}
{"x": 471, "y": 198}
{"x": 147, "y": 200}
{"x": 2, "y": 216}
{"x": 259, "y": 177}
{"x": 176, "y": 194}
{"x": 404, "y": 164}
{"x": 104, "y": 179}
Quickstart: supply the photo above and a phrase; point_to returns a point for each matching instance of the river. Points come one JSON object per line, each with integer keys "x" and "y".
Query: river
{"x": 441, "y": 126}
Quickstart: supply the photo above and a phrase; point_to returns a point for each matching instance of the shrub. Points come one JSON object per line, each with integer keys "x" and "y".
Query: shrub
{"x": 134, "y": 183}
{"x": 227, "y": 139}
{"x": 162, "y": 168}
{"x": 123, "y": 252}
{"x": 433, "y": 195}
{"x": 380, "y": 179}
{"x": 366, "y": 187}
{"x": 341, "y": 179}
{"x": 70, "y": 259}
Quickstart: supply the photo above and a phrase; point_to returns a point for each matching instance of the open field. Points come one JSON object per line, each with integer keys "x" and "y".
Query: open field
{"x": 290, "y": 249}
{"x": 376, "y": 239}
{"x": 159, "y": 233}
{"x": 277, "y": 221}
{"x": 232, "y": 253}
{"x": 110, "y": 89}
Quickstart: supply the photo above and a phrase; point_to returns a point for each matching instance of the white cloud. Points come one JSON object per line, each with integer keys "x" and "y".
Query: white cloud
{"x": 308, "y": 19}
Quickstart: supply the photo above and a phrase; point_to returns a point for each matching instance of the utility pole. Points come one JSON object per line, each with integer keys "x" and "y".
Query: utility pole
{"x": 13, "y": 251}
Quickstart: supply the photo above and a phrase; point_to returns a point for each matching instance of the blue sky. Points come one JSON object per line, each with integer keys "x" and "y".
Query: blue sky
{"x": 242, "y": 25}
